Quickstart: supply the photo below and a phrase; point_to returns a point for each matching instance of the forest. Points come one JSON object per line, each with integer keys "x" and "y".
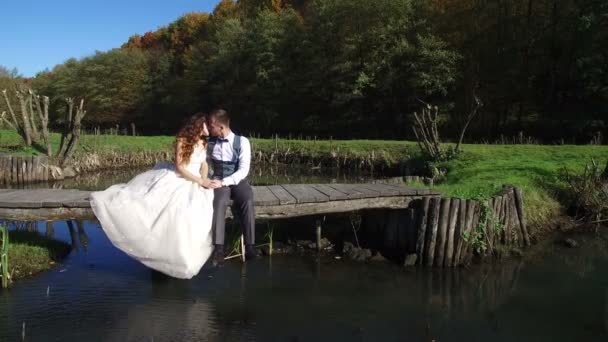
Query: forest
{"x": 533, "y": 71}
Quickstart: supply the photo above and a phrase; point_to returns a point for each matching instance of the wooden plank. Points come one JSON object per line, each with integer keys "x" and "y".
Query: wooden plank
{"x": 404, "y": 190}
{"x": 333, "y": 194}
{"x": 305, "y": 194}
{"x": 366, "y": 191}
{"x": 382, "y": 189}
{"x": 348, "y": 190}
{"x": 263, "y": 196}
{"x": 262, "y": 212}
{"x": 282, "y": 194}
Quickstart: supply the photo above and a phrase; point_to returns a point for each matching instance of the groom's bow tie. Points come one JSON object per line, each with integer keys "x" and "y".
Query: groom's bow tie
{"x": 222, "y": 139}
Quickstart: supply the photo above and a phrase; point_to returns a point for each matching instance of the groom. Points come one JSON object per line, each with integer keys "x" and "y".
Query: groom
{"x": 230, "y": 157}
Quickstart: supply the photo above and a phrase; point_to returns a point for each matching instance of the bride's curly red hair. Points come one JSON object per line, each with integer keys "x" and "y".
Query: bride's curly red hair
{"x": 190, "y": 134}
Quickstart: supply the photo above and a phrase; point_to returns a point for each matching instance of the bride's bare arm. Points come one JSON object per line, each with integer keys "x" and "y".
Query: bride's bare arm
{"x": 204, "y": 171}
{"x": 181, "y": 169}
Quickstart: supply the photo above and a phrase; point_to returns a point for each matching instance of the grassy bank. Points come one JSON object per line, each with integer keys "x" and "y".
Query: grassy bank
{"x": 478, "y": 173}
{"x": 30, "y": 253}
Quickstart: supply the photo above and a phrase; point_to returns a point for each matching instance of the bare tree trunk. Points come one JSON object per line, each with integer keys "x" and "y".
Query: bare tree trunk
{"x": 66, "y": 127}
{"x": 14, "y": 124}
{"x": 27, "y": 128}
{"x": 476, "y": 105}
{"x": 426, "y": 131}
{"x": 75, "y": 132}
{"x": 30, "y": 102}
{"x": 44, "y": 121}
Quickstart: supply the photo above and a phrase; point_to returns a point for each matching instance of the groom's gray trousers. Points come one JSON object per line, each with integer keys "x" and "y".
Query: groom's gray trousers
{"x": 242, "y": 206}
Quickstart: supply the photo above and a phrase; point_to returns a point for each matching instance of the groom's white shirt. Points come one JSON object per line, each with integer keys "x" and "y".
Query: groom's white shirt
{"x": 223, "y": 151}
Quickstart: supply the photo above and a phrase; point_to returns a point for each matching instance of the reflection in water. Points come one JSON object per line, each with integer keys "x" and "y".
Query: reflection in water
{"x": 99, "y": 294}
{"x": 173, "y": 313}
{"x": 277, "y": 174}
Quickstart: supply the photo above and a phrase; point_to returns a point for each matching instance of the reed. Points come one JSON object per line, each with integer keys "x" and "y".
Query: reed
{"x": 4, "y": 266}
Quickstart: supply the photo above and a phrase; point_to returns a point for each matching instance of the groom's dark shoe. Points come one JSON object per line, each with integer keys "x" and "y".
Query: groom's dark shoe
{"x": 218, "y": 256}
{"x": 251, "y": 253}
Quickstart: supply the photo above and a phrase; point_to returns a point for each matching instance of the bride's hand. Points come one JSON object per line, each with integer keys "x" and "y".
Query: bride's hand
{"x": 204, "y": 183}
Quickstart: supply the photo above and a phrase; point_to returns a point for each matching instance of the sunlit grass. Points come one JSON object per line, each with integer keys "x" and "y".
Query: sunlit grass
{"x": 30, "y": 253}
{"x": 479, "y": 172}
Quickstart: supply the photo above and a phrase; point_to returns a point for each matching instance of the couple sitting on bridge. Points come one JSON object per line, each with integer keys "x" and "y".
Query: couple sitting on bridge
{"x": 172, "y": 218}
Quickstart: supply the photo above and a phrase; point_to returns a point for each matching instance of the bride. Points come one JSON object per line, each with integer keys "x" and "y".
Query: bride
{"x": 162, "y": 217}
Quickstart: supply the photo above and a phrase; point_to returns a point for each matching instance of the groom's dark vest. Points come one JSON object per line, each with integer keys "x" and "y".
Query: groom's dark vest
{"x": 223, "y": 168}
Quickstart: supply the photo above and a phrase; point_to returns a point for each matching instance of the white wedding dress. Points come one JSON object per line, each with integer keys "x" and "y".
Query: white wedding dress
{"x": 160, "y": 218}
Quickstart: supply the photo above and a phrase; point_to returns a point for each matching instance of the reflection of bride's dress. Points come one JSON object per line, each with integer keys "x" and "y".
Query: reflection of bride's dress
{"x": 160, "y": 218}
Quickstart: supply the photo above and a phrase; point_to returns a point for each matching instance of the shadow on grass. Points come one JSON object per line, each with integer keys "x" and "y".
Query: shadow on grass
{"x": 31, "y": 253}
{"x": 57, "y": 249}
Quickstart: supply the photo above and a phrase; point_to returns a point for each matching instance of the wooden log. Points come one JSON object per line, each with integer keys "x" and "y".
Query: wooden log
{"x": 444, "y": 218}
{"x": 19, "y": 176}
{"x": 411, "y": 230}
{"x": 24, "y": 163}
{"x": 496, "y": 220}
{"x": 6, "y": 177}
{"x": 468, "y": 229}
{"x": 516, "y": 236}
{"x": 422, "y": 221}
{"x": 460, "y": 226}
{"x": 476, "y": 217}
{"x": 507, "y": 218}
{"x": 30, "y": 169}
{"x": 501, "y": 219}
{"x": 488, "y": 224}
{"x": 19, "y": 170}
{"x": 432, "y": 227}
{"x": 39, "y": 162}
{"x": 2, "y": 168}
{"x": 519, "y": 205}
{"x": 14, "y": 170}
{"x": 23, "y": 170}
{"x": 45, "y": 170}
{"x": 453, "y": 218}
{"x": 34, "y": 170}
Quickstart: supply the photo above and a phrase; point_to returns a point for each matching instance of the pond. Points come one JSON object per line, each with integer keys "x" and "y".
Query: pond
{"x": 99, "y": 294}
{"x": 278, "y": 174}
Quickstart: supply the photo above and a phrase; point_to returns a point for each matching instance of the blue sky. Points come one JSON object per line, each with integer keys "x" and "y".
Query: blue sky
{"x": 39, "y": 34}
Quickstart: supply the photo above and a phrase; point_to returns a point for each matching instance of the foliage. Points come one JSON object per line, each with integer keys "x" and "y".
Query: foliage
{"x": 587, "y": 191}
{"x": 112, "y": 83}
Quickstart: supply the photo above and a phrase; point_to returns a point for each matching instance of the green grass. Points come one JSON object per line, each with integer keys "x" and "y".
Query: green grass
{"x": 483, "y": 169}
{"x": 30, "y": 253}
{"x": 478, "y": 173}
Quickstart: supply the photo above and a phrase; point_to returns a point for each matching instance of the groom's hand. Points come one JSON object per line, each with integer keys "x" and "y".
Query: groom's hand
{"x": 216, "y": 183}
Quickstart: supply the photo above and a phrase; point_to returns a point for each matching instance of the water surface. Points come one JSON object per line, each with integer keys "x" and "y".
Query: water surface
{"x": 100, "y": 294}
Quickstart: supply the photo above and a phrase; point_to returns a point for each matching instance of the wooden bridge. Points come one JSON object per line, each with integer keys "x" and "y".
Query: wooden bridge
{"x": 429, "y": 229}
{"x": 274, "y": 201}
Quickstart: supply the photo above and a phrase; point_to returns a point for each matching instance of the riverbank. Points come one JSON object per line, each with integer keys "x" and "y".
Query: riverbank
{"x": 30, "y": 253}
{"x": 478, "y": 173}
